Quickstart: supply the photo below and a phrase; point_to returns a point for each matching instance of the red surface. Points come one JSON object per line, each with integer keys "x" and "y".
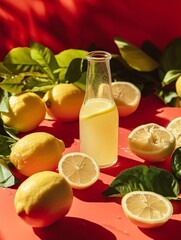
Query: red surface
{"x": 93, "y": 216}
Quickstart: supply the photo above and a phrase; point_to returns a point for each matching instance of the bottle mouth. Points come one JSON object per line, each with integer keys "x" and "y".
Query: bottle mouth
{"x": 98, "y": 56}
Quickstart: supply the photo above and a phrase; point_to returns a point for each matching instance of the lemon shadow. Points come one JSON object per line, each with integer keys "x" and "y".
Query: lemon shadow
{"x": 94, "y": 193}
{"x": 72, "y": 228}
{"x": 149, "y": 110}
{"x": 169, "y": 231}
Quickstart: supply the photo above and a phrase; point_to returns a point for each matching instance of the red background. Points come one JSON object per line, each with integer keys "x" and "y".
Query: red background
{"x": 64, "y": 24}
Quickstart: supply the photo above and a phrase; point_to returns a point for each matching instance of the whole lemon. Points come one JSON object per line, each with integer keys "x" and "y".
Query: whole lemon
{"x": 26, "y": 112}
{"x": 43, "y": 198}
{"x": 64, "y": 101}
{"x": 36, "y": 152}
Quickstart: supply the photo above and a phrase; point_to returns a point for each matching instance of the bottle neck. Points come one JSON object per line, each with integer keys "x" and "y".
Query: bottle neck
{"x": 98, "y": 79}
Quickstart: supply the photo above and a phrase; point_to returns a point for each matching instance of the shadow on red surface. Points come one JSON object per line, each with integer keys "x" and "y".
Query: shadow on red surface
{"x": 70, "y": 228}
{"x": 172, "y": 227}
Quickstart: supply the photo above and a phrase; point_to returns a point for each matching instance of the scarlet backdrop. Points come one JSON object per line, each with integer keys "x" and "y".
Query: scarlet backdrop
{"x": 63, "y": 24}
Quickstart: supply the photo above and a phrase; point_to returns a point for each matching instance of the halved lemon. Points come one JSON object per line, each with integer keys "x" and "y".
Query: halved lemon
{"x": 80, "y": 170}
{"x": 146, "y": 209}
{"x": 175, "y": 127}
{"x": 127, "y": 97}
{"x": 151, "y": 142}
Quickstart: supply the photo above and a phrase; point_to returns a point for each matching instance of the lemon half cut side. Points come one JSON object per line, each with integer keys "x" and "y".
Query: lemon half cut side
{"x": 151, "y": 142}
{"x": 147, "y": 209}
{"x": 80, "y": 170}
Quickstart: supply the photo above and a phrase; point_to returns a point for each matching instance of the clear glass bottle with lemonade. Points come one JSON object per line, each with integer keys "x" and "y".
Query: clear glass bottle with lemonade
{"x": 98, "y": 120}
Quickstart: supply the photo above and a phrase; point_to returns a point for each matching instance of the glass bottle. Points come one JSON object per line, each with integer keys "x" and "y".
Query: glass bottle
{"x": 98, "y": 120}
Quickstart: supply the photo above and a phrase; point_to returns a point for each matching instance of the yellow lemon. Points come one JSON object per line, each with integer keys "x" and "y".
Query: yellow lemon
{"x": 151, "y": 142}
{"x": 26, "y": 112}
{"x": 127, "y": 97}
{"x": 175, "y": 127}
{"x": 43, "y": 198}
{"x": 147, "y": 209}
{"x": 64, "y": 101}
{"x": 36, "y": 152}
{"x": 80, "y": 170}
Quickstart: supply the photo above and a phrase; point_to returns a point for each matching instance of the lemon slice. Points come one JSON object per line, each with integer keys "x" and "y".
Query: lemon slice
{"x": 175, "y": 127}
{"x": 127, "y": 97}
{"x": 80, "y": 170}
{"x": 151, "y": 142}
{"x": 147, "y": 209}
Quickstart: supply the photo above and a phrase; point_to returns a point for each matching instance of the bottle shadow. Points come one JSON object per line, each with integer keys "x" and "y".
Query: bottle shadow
{"x": 67, "y": 132}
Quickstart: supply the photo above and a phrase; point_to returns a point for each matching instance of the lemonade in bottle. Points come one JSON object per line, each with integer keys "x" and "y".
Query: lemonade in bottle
{"x": 98, "y": 115}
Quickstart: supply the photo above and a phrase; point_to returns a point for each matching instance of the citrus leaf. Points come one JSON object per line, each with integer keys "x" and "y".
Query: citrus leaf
{"x": 171, "y": 76}
{"x": 176, "y": 163}
{"x": 37, "y": 83}
{"x": 45, "y": 59}
{"x": 135, "y": 57}
{"x": 65, "y": 57}
{"x": 81, "y": 83}
{"x": 170, "y": 58}
{"x": 169, "y": 97}
{"x": 141, "y": 178}
{"x": 7, "y": 179}
{"x": 151, "y": 49}
{"x": 131, "y": 179}
{"x": 5, "y": 145}
{"x": 8, "y": 132}
{"x": 163, "y": 182}
{"x": 19, "y": 60}
{"x": 73, "y": 72}
{"x": 4, "y": 101}
{"x": 13, "y": 84}
{"x": 27, "y": 81}
{"x": 4, "y": 70}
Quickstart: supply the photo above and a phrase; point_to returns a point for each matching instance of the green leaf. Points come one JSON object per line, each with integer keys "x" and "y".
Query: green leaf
{"x": 135, "y": 57}
{"x": 13, "y": 84}
{"x": 4, "y": 70}
{"x": 36, "y": 84}
{"x": 81, "y": 83}
{"x": 27, "y": 81}
{"x": 170, "y": 58}
{"x": 163, "y": 182}
{"x": 131, "y": 179}
{"x": 171, "y": 76}
{"x": 8, "y": 131}
{"x": 168, "y": 97}
{"x": 45, "y": 59}
{"x": 65, "y": 58}
{"x": 141, "y": 178}
{"x": 7, "y": 179}
{"x": 19, "y": 60}
{"x": 73, "y": 72}
{"x": 6, "y": 144}
{"x": 4, "y": 101}
{"x": 152, "y": 50}
{"x": 176, "y": 163}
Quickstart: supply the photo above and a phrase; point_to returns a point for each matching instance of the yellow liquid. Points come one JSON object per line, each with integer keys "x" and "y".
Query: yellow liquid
{"x": 99, "y": 131}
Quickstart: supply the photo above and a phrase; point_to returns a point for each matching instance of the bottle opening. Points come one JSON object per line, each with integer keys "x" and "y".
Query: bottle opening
{"x": 98, "y": 56}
